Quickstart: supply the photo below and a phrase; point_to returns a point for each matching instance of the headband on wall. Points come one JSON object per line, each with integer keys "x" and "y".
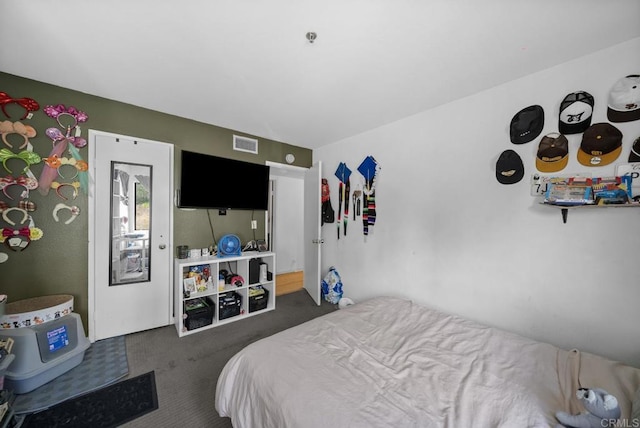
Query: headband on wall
{"x": 29, "y": 105}
{"x": 69, "y": 141}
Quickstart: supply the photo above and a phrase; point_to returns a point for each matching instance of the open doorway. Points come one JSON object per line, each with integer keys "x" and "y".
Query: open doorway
{"x": 286, "y": 225}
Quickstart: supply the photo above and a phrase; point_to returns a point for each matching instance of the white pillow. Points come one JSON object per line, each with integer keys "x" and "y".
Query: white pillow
{"x": 635, "y": 409}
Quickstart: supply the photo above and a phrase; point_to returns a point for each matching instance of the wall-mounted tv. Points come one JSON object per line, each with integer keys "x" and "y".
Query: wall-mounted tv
{"x": 208, "y": 181}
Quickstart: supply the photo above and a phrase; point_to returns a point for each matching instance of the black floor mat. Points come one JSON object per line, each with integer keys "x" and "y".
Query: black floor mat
{"x": 110, "y": 406}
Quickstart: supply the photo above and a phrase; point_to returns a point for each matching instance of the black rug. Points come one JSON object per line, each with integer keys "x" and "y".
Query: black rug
{"x": 110, "y": 406}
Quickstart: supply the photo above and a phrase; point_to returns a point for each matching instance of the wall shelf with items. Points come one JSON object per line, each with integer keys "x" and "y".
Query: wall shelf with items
{"x": 586, "y": 192}
{"x": 206, "y": 299}
{"x": 564, "y": 209}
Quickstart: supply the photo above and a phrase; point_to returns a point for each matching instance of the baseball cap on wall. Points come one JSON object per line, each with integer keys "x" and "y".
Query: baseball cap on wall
{"x": 509, "y": 167}
{"x": 527, "y": 124}
{"x": 553, "y": 153}
{"x": 601, "y": 145}
{"x": 576, "y": 110}
{"x": 624, "y": 100}
{"x": 634, "y": 154}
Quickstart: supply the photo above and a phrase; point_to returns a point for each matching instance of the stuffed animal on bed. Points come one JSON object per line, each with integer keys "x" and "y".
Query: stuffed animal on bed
{"x": 602, "y": 408}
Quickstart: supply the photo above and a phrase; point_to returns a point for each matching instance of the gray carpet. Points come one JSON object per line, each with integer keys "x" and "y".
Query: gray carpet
{"x": 187, "y": 368}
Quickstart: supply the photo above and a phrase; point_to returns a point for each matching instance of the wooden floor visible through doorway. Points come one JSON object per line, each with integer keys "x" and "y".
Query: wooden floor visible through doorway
{"x": 289, "y": 282}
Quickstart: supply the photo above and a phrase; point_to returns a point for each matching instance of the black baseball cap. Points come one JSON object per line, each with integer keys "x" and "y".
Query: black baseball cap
{"x": 509, "y": 167}
{"x": 527, "y": 124}
{"x": 634, "y": 154}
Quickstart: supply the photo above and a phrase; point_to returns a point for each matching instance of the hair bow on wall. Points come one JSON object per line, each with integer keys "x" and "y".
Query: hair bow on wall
{"x": 28, "y": 157}
{"x": 23, "y": 231}
{"x": 27, "y": 182}
{"x": 28, "y": 104}
{"x": 57, "y": 162}
{"x": 61, "y": 143}
{"x": 20, "y": 238}
{"x": 26, "y": 131}
{"x": 56, "y": 135}
{"x": 55, "y": 111}
{"x": 59, "y": 186}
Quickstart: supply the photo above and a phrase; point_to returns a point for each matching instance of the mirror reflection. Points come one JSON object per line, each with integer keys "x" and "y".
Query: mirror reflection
{"x": 131, "y": 223}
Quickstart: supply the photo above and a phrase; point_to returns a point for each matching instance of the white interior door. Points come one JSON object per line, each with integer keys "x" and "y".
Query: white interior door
{"x": 130, "y": 235}
{"x": 313, "y": 231}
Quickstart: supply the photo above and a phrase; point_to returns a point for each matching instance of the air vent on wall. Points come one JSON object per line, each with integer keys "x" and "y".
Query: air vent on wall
{"x": 245, "y": 144}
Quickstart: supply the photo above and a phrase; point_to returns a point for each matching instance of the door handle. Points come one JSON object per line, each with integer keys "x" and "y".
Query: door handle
{"x": 162, "y": 246}
{"x": 318, "y": 241}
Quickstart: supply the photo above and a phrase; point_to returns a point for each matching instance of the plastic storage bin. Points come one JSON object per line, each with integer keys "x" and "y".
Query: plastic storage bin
{"x": 230, "y": 304}
{"x": 199, "y": 312}
{"x": 258, "y": 298}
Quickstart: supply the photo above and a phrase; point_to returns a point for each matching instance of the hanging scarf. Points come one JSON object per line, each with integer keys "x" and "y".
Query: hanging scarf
{"x": 369, "y": 169}
{"x": 347, "y": 191}
{"x": 342, "y": 173}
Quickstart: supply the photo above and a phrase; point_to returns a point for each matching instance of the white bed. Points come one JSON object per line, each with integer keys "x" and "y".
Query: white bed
{"x": 388, "y": 362}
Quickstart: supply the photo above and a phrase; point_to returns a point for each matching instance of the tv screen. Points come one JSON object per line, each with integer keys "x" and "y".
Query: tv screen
{"x": 208, "y": 181}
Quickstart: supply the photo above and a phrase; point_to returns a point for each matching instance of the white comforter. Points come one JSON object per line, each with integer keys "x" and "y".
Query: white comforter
{"x": 388, "y": 362}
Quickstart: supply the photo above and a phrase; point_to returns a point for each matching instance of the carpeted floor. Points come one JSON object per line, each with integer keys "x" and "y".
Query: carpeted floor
{"x": 108, "y": 407}
{"x": 187, "y": 368}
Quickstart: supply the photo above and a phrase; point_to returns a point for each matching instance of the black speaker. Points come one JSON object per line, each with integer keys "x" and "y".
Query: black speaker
{"x": 254, "y": 271}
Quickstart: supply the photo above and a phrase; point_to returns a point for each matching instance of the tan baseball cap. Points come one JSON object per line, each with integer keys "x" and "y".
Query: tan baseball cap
{"x": 553, "y": 153}
{"x": 601, "y": 145}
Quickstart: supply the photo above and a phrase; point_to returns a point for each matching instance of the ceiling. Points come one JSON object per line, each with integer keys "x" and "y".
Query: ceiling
{"x": 248, "y": 66}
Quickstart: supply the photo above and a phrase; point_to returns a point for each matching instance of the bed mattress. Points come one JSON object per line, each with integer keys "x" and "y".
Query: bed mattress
{"x": 389, "y": 362}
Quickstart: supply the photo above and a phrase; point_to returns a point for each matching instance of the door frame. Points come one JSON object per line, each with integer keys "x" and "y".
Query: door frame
{"x": 311, "y": 267}
{"x": 91, "y": 283}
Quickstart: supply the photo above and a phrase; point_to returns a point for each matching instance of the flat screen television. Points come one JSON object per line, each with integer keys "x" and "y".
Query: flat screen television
{"x": 208, "y": 181}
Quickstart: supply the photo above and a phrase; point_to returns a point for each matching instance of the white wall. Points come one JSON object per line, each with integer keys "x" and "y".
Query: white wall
{"x": 288, "y": 216}
{"x": 449, "y": 235}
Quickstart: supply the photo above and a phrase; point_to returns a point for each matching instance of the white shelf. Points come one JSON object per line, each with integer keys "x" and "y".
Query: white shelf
{"x": 564, "y": 209}
{"x": 239, "y": 265}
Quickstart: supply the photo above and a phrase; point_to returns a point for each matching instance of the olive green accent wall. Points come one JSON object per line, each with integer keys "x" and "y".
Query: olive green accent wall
{"x": 58, "y": 262}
